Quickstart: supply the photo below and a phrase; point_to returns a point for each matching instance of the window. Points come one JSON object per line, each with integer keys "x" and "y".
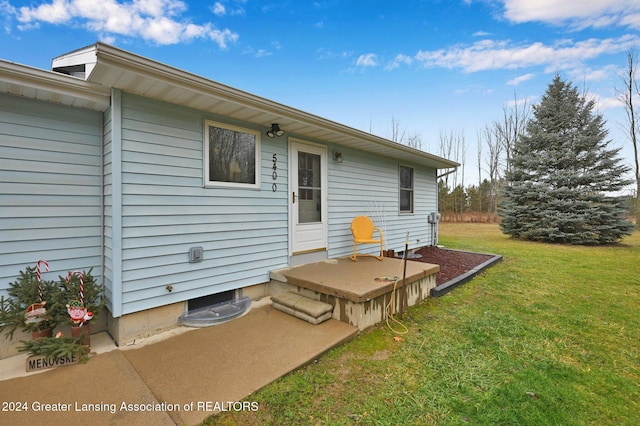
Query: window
{"x": 232, "y": 156}
{"x": 309, "y": 187}
{"x": 406, "y": 189}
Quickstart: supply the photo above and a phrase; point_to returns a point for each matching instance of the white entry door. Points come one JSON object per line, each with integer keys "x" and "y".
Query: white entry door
{"x": 308, "y": 198}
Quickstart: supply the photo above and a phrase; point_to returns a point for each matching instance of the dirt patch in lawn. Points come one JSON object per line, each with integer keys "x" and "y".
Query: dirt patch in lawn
{"x": 452, "y": 263}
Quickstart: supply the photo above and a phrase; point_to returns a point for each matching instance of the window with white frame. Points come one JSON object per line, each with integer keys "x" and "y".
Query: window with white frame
{"x": 406, "y": 189}
{"x": 232, "y": 156}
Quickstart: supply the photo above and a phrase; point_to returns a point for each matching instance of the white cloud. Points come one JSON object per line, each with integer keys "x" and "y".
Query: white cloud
{"x": 368, "y": 60}
{"x": 158, "y": 21}
{"x": 491, "y": 54}
{"x": 631, "y": 20}
{"x": 108, "y": 39}
{"x": 518, "y": 102}
{"x": 521, "y": 78}
{"x": 218, "y": 9}
{"x": 399, "y": 60}
{"x": 592, "y": 13}
{"x": 6, "y": 11}
{"x": 604, "y": 103}
{"x": 326, "y": 54}
{"x": 261, "y": 53}
{"x": 588, "y": 74}
{"x": 56, "y": 12}
{"x": 229, "y": 7}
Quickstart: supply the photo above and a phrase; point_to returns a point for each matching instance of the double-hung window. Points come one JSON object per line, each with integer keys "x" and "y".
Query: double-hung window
{"x": 406, "y": 189}
{"x": 231, "y": 156}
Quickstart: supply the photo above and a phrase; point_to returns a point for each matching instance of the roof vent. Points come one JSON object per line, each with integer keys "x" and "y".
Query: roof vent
{"x": 78, "y": 63}
{"x": 73, "y": 70}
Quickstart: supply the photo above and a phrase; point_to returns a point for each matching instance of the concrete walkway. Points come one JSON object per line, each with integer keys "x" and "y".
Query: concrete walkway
{"x": 180, "y": 380}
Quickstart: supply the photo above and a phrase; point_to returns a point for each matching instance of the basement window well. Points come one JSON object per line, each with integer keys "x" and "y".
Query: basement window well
{"x": 214, "y": 309}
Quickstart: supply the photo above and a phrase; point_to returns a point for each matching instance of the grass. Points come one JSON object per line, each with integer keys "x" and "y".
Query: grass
{"x": 549, "y": 336}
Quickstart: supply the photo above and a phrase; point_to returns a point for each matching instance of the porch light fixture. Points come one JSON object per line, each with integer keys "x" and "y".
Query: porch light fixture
{"x": 275, "y": 131}
{"x": 338, "y": 157}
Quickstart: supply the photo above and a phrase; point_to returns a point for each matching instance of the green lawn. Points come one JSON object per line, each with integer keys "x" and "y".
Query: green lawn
{"x": 549, "y": 336}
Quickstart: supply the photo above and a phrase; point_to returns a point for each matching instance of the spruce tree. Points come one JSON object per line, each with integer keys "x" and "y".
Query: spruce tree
{"x": 563, "y": 174}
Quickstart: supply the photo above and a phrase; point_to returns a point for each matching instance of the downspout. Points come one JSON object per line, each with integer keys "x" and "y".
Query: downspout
{"x": 116, "y": 202}
{"x": 435, "y": 229}
{"x": 102, "y": 203}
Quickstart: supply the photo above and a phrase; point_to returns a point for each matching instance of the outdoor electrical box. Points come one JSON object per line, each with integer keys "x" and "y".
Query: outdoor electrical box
{"x": 195, "y": 254}
{"x": 434, "y": 217}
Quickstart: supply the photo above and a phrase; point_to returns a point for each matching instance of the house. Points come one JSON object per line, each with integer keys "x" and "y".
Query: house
{"x": 172, "y": 188}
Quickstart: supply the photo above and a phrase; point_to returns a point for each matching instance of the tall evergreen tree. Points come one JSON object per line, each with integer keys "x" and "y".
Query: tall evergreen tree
{"x": 563, "y": 174}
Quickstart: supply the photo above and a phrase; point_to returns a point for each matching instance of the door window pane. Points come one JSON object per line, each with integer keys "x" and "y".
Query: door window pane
{"x": 309, "y": 188}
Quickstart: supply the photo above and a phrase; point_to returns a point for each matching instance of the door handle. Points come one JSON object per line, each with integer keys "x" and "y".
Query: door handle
{"x": 293, "y": 197}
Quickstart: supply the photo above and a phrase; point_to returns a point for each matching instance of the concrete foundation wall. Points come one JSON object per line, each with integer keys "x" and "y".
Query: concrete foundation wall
{"x": 132, "y": 328}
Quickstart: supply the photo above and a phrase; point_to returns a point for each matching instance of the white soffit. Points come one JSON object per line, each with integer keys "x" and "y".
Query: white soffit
{"x": 48, "y": 86}
{"x": 138, "y": 75}
{"x": 105, "y": 67}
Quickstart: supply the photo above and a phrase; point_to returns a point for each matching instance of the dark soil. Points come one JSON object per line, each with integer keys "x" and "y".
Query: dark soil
{"x": 452, "y": 262}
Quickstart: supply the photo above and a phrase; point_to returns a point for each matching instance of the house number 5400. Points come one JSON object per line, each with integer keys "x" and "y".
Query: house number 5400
{"x": 274, "y": 175}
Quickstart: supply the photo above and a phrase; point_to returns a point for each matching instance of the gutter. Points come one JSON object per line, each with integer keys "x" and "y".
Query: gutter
{"x": 447, "y": 173}
{"x": 96, "y": 96}
{"x": 113, "y": 57}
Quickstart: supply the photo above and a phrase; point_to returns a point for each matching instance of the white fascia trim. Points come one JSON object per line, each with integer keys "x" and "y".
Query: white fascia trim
{"x": 127, "y": 61}
{"x": 53, "y": 82}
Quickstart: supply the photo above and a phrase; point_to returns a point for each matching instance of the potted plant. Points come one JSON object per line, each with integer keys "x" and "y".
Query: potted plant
{"x": 57, "y": 347}
{"x": 30, "y": 305}
{"x": 83, "y": 298}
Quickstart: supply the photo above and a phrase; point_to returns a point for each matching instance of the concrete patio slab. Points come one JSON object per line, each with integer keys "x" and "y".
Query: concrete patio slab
{"x": 362, "y": 293}
{"x": 358, "y": 281}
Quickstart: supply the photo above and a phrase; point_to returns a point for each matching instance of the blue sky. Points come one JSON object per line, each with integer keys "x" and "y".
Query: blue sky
{"x": 432, "y": 66}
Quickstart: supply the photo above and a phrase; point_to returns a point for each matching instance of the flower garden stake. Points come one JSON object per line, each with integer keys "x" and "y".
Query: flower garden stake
{"x": 78, "y": 312}
{"x": 39, "y": 275}
{"x": 36, "y": 312}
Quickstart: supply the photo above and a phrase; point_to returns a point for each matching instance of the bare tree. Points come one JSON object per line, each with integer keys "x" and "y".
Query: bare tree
{"x": 397, "y": 135}
{"x": 494, "y": 160}
{"x": 453, "y": 147}
{"x": 400, "y": 135}
{"x": 513, "y": 124}
{"x": 446, "y": 146}
{"x": 479, "y": 149}
{"x": 414, "y": 141}
{"x": 630, "y": 90}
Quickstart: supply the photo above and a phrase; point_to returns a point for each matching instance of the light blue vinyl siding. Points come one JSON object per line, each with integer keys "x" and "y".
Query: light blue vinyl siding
{"x": 365, "y": 184}
{"x": 166, "y": 210}
{"x": 50, "y": 188}
{"x": 149, "y": 157}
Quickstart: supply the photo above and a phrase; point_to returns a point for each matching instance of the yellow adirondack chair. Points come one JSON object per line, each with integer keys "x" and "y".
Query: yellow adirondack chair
{"x": 362, "y": 229}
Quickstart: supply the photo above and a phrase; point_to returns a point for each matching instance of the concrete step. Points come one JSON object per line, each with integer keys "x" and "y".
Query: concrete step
{"x": 309, "y": 310}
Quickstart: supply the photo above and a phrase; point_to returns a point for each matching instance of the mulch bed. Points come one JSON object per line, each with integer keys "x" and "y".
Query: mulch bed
{"x": 452, "y": 263}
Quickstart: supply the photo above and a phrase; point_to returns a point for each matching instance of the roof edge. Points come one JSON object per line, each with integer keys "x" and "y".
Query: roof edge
{"x": 123, "y": 59}
{"x": 49, "y": 81}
